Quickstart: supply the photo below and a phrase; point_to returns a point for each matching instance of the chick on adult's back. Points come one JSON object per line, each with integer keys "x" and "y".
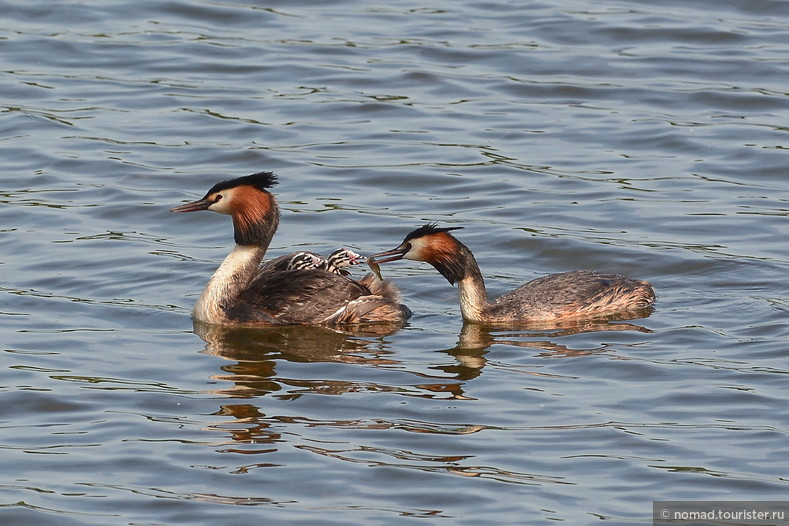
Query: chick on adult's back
{"x": 242, "y": 292}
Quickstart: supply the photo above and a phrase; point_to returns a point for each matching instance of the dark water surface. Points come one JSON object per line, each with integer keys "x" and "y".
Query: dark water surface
{"x": 629, "y": 137}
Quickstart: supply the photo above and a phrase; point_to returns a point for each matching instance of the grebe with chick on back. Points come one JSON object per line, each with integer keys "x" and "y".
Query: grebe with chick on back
{"x": 579, "y": 293}
{"x": 244, "y": 292}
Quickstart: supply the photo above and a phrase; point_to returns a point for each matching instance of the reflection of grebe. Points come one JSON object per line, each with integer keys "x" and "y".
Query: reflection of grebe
{"x": 578, "y": 293}
{"x": 241, "y": 292}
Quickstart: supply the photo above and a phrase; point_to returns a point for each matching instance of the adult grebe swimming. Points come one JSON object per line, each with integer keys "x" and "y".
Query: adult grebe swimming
{"x": 242, "y": 292}
{"x": 580, "y": 293}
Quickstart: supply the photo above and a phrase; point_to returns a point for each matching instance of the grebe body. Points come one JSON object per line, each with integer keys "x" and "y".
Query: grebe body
{"x": 580, "y": 293}
{"x": 244, "y": 292}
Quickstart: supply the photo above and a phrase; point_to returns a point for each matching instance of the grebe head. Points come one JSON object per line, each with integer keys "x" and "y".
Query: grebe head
{"x": 343, "y": 257}
{"x": 247, "y": 200}
{"x": 434, "y": 245}
{"x": 304, "y": 261}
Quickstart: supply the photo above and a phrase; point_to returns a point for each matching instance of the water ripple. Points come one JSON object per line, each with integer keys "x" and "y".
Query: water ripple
{"x": 640, "y": 139}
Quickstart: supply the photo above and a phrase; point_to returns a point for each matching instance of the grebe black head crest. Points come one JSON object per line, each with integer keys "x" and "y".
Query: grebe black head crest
{"x": 445, "y": 253}
{"x": 427, "y": 229}
{"x": 261, "y": 180}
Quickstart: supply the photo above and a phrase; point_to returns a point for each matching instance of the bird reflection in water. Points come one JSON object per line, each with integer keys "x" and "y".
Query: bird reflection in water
{"x": 475, "y": 339}
{"x": 256, "y": 352}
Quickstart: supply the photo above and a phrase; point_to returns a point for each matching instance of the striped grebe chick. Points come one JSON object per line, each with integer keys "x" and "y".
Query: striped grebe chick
{"x": 579, "y": 293}
{"x": 244, "y": 292}
{"x": 341, "y": 258}
{"x": 303, "y": 260}
{"x": 334, "y": 262}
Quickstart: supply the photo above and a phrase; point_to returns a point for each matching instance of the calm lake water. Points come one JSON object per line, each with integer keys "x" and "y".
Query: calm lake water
{"x": 648, "y": 139}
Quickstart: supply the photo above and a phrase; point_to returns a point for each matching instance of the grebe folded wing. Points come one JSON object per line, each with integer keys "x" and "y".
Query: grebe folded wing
{"x": 308, "y": 296}
{"x": 578, "y": 292}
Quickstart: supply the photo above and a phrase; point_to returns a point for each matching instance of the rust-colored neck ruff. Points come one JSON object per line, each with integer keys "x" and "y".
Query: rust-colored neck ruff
{"x": 451, "y": 258}
{"x": 255, "y": 216}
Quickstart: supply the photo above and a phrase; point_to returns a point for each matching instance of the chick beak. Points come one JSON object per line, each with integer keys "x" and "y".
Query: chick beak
{"x": 355, "y": 258}
{"x": 194, "y": 206}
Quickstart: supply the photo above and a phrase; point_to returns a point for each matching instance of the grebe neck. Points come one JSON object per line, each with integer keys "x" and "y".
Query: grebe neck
{"x": 459, "y": 265}
{"x": 240, "y": 266}
{"x": 473, "y": 298}
{"x": 228, "y": 282}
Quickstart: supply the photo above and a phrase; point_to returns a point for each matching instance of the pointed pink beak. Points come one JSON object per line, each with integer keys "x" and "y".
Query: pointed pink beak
{"x": 194, "y": 206}
{"x": 389, "y": 255}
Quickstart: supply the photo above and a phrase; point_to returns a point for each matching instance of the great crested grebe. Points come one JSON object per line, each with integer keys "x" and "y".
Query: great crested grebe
{"x": 580, "y": 293}
{"x": 244, "y": 292}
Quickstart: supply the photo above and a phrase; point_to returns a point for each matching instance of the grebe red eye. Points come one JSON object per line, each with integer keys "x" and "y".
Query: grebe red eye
{"x": 218, "y": 198}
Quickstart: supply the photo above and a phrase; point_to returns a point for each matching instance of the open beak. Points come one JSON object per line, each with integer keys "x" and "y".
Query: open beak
{"x": 389, "y": 255}
{"x": 355, "y": 258}
{"x": 194, "y": 206}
